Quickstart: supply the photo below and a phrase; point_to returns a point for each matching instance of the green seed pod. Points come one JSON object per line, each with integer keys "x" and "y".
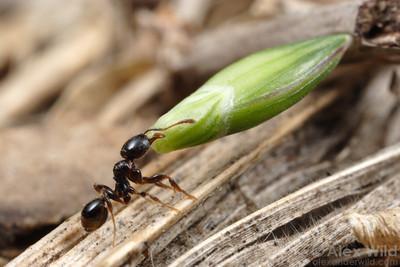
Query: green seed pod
{"x": 250, "y": 91}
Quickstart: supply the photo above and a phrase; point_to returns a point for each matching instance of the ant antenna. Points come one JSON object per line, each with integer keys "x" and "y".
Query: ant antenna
{"x": 155, "y": 137}
{"x": 172, "y": 125}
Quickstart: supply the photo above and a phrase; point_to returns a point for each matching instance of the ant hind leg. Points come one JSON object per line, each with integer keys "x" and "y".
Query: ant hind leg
{"x": 110, "y": 210}
{"x": 153, "y": 198}
{"x": 108, "y": 195}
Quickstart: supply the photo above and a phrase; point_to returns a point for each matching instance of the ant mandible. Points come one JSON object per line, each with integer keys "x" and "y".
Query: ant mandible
{"x": 95, "y": 213}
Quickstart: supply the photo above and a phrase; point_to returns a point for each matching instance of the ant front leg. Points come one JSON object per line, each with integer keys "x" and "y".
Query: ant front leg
{"x": 153, "y": 198}
{"x": 156, "y": 179}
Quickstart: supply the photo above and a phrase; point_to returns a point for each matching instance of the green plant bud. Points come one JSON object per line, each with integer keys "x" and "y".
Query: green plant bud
{"x": 250, "y": 91}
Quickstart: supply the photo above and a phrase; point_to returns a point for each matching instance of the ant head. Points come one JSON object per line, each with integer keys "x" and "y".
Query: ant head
{"x": 94, "y": 214}
{"x": 135, "y": 147}
{"x": 138, "y": 145}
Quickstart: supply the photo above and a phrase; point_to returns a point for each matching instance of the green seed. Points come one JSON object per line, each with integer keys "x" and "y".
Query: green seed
{"x": 251, "y": 91}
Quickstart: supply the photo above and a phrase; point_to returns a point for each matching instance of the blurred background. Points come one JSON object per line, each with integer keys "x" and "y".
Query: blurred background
{"x": 78, "y": 78}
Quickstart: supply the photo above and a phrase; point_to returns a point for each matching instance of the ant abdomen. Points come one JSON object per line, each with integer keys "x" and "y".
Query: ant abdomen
{"x": 94, "y": 214}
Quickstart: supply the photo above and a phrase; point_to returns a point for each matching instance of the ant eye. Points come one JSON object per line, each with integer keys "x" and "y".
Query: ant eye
{"x": 135, "y": 147}
{"x": 94, "y": 215}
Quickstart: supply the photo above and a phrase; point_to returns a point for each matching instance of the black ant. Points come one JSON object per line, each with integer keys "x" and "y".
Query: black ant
{"x": 95, "y": 213}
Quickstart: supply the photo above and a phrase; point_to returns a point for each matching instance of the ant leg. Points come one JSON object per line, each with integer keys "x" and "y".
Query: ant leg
{"x": 156, "y": 179}
{"x": 155, "y": 199}
{"x": 104, "y": 190}
{"x": 108, "y": 194}
{"x": 110, "y": 210}
{"x": 159, "y": 184}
